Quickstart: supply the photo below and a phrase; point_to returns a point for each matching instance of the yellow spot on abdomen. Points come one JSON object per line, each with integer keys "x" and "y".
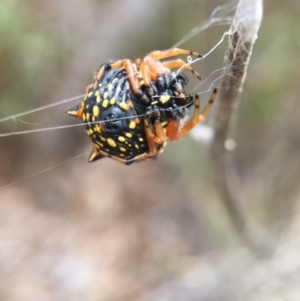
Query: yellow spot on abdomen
{"x": 97, "y": 128}
{"x": 128, "y": 135}
{"x": 112, "y": 101}
{"x": 111, "y": 142}
{"x": 122, "y": 149}
{"x": 90, "y": 132}
{"x": 95, "y": 111}
{"x": 121, "y": 138}
{"x": 132, "y": 125}
{"x": 97, "y": 96}
{"x": 141, "y": 139}
{"x": 125, "y": 106}
{"x": 164, "y": 98}
{"x": 105, "y": 94}
{"x": 99, "y": 144}
{"x": 105, "y": 103}
{"x": 136, "y": 146}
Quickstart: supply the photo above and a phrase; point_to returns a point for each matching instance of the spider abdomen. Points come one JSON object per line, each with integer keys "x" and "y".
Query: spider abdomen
{"x": 110, "y": 118}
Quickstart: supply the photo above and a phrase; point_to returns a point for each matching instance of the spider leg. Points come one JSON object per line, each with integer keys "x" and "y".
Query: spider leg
{"x": 158, "y": 136}
{"x": 131, "y": 73}
{"x": 180, "y": 63}
{"x": 145, "y": 73}
{"x": 150, "y": 69}
{"x": 158, "y": 55}
{"x": 175, "y": 130}
{"x": 99, "y": 74}
{"x": 153, "y": 139}
{"x": 156, "y": 67}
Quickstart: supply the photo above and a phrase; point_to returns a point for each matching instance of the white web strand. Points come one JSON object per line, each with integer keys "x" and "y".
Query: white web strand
{"x": 42, "y": 171}
{"x": 54, "y": 104}
{"x": 217, "y": 17}
{"x": 190, "y": 61}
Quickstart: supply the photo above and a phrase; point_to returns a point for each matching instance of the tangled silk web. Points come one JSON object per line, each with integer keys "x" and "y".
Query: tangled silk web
{"x": 221, "y": 16}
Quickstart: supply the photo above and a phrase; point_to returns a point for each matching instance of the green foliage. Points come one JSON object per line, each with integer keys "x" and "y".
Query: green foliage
{"x": 26, "y": 49}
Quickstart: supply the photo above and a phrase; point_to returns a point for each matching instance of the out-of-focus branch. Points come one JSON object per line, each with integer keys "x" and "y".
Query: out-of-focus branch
{"x": 242, "y": 36}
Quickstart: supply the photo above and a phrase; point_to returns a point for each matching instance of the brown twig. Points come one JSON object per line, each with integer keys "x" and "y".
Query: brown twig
{"x": 242, "y": 36}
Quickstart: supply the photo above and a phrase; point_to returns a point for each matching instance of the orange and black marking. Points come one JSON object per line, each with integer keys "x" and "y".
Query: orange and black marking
{"x": 132, "y": 109}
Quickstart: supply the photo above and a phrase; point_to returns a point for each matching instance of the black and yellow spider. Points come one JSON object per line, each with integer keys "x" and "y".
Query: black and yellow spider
{"x": 132, "y": 109}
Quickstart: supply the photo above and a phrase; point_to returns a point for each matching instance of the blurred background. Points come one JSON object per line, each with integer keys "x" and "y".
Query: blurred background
{"x": 157, "y": 230}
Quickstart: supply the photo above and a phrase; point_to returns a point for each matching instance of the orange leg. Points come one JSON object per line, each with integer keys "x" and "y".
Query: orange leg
{"x": 153, "y": 68}
{"x": 130, "y": 70}
{"x": 159, "y": 137}
{"x": 152, "y": 152}
{"x": 174, "y": 129}
{"x": 145, "y": 73}
{"x": 153, "y": 139}
{"x": 158, "y": 55}
{"x": 156, "y": 67}
{"x": 131, "y": 73}
{"x": 180, "y": 63}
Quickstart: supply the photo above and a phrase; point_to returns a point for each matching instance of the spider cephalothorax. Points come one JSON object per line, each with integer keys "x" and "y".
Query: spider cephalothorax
{"x": 132, "y": 109}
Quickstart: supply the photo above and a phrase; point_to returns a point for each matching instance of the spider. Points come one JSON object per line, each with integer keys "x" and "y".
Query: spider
{"x": 132, "y": 108}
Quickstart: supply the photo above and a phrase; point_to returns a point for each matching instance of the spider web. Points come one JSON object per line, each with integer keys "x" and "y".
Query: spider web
{"x": 220, "y": 17}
